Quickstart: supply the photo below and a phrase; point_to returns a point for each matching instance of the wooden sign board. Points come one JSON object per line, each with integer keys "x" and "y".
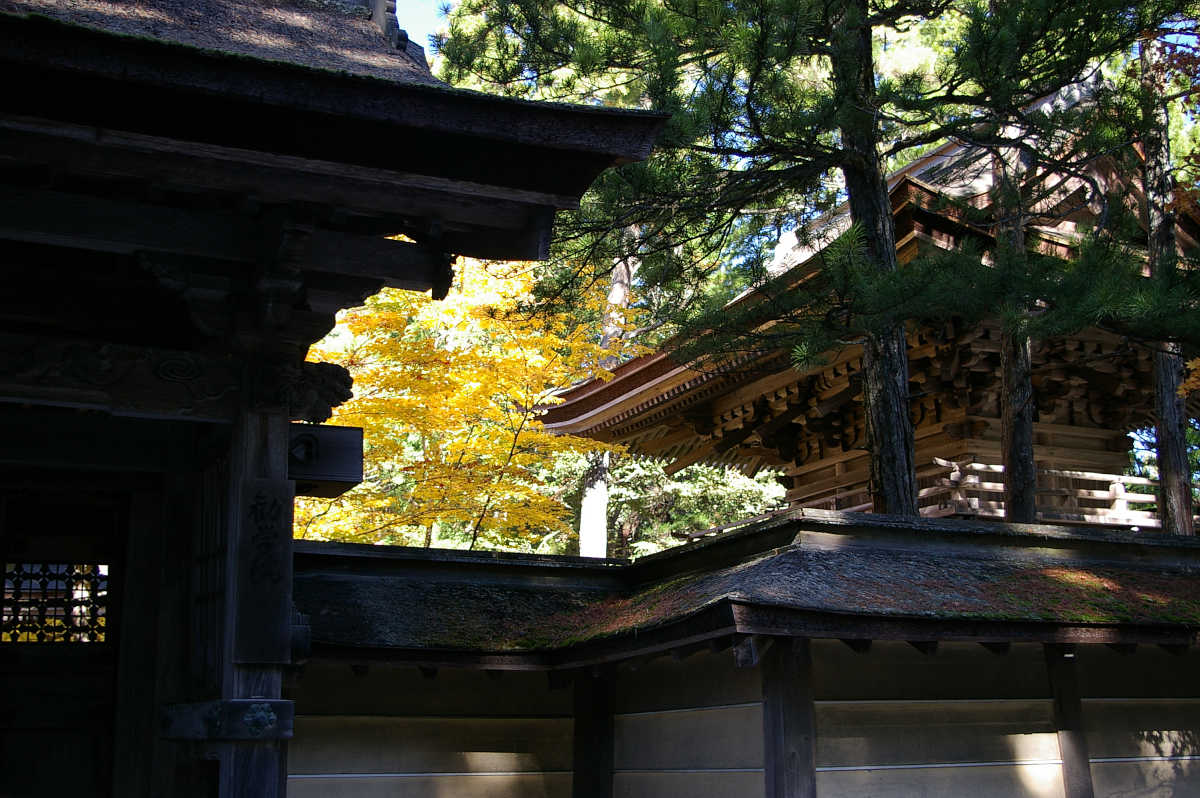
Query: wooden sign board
{"x": 325, "y": 461}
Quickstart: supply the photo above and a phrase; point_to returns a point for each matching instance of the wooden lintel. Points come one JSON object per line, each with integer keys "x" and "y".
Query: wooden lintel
{"x": 751, "y": 619}
{"x": 277, "y": 178}
{"x": 926, "y": 647}
{"x": 999, "y": 648}
{"x": 123, "y": 380}
{"x": 396, "y": 263}
{"x": 858, "y": 646}
{"x": 258, "y": 719}
{"x": 108, "y": 225}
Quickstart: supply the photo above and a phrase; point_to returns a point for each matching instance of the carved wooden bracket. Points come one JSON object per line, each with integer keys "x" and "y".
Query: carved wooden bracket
{"x": 309, "y": 391}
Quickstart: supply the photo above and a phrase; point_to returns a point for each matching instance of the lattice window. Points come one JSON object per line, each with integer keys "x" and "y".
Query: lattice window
{"x": 54, "y": 603}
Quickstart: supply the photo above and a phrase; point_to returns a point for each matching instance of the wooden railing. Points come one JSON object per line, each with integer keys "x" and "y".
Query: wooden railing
{"x": 976, "y": 490}
{"x": 1075, "y": 497}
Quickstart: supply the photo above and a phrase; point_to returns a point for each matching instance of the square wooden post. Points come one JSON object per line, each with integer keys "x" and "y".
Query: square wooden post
{"x": 593, "y": 740}
{"x": 259, "y": 568}
{"x": 1068, "y": 720}
{"x": 789, "y": 725}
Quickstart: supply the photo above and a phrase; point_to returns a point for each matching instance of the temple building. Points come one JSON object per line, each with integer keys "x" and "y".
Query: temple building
{"x": 754, "y": 411}
{"x": 191, "y": 191}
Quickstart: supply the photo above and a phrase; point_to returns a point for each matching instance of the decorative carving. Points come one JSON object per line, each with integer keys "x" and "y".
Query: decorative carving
{"x": 258, "y": 719}
{"x": 310, "y": 391}
{"x": 92, "y": 365}
{"x": 229, "y": 719}
{"x": 266, "y": 515}
{"x": 264, "y": 573}
{"x": 54, "y": 603}
{"x": 122, "y": 379}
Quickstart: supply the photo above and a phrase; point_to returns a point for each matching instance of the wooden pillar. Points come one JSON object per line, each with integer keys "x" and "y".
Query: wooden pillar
{"x": 137, "y": 751}
{"x": 593, "y": 742}
{"x": 789, "y": 726}
{"x": 259, "y": 595}
{"x": 1068, "y": 720}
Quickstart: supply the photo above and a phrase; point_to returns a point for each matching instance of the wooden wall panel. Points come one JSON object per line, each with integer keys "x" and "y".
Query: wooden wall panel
{"x": 701, "y": 680}
{"x": 893, "y": 670}
{"x": 992, "y": 781}
{"x": 1144, "y": 747}
{"x": 1150, "y": 672}
{"x": 333, "y": 688}
{"x": 690, "y": 727}
{"x": 854, "y": 734}
{"x": 1142, "y": 728}
{"x": 504, "y": 785}
{"x": 690, "y": 739}
{"x": 1147, "y": 779}
{"x": 693, "y": 784}
{"x": 335, "y": 744}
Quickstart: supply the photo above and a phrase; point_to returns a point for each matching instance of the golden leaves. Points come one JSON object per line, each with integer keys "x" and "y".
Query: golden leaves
{"x": 1191, "y": 382}
{"x": 448, "y": 395}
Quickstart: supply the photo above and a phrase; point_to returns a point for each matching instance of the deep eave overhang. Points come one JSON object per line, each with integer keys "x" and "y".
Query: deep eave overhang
{"x": 539, "y": 156}
{"x": 660, "y": 378}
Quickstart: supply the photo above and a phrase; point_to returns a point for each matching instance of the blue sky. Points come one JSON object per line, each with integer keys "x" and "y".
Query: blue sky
{"x": 420, "y": 18}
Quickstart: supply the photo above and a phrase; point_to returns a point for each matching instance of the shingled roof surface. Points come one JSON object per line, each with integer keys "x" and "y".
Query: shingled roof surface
{"x": 932, "y": 570}
{"x": 323, "y": 34}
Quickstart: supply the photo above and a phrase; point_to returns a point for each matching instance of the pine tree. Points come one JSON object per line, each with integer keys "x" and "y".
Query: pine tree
{"x": 779, "y": 112}
{"x": 1175, "y": 493}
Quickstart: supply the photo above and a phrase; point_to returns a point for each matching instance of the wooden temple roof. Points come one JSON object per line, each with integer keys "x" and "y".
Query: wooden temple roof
{"x": 336, "y": 36}
{"x": 301, "y": 104}
{"x": 657, "y": 386}
{"x": 207, "y": 183}
{"x": 754, "y": 409}
{"x": 805, "y": 573}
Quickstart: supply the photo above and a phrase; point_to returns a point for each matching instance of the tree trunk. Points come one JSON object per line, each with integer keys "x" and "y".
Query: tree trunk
{"x": 885, "y": 355}
{"x": 1016, "y": 361}
{"x": 593, "y": 510}
{"x": 1174, "y": 480}
{"x": 1016, "y": 429}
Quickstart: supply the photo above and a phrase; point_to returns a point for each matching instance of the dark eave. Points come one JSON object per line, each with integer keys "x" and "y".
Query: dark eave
{"x": 805, "y": 573}
{"x": 465, "y": 172}
{"x": 95, "y": 74}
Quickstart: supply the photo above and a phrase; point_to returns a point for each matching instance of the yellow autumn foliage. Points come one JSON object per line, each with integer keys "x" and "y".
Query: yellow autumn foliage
{"x": 1191, "y": 381}
{"x": 448, "y": 395}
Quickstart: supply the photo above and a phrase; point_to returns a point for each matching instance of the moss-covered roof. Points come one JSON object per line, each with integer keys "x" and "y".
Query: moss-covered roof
{"x": 931, "y": 571}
